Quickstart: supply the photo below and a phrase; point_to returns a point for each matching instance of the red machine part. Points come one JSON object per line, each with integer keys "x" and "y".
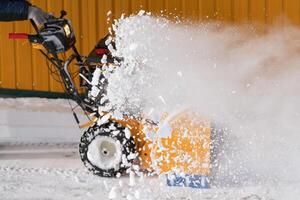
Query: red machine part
{"x": 15, "y": 36}
{"x": 101, "y": 51}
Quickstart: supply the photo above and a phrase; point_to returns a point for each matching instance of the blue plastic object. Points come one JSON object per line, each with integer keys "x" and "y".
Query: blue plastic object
{"x": 193, "y": 181}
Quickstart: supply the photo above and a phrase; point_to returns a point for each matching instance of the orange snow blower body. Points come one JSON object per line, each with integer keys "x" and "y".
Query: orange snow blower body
{"x": 180, "y": 143}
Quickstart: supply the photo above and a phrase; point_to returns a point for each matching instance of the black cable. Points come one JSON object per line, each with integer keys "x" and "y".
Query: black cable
{"x": 52, "y": 73}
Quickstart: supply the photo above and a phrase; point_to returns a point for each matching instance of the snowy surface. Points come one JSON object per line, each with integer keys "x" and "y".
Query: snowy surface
{"x": 37, "y": 120}
{"x": 51, "y": 169}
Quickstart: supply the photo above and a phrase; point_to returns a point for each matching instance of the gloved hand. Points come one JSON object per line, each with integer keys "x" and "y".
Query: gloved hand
{"x": 38, "y": 15}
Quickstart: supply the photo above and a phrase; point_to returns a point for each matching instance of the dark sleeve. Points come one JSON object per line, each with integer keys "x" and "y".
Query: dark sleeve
{"x": 13, "y": 10}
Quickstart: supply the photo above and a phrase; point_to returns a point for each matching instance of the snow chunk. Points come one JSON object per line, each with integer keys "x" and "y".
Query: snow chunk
{"x": 96, "y": 76}
{"x": 132, "y": 179}
{"x": 113, "y": 194}
{"x": 179, "y": 73}
{"x": 109, "y": 13}
{"x": 127, "y": 133}
{"x": 141, "y": 13}
{"x": 104, "y": 59}
{"x": 162, "y": 100}
{"x": 104, "y": 119}
{"x": 165, "y": 131}
{"x": 133, "y": 47}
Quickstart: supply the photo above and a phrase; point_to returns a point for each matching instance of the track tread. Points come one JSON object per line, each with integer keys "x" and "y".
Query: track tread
{"x": 107, "y": 130}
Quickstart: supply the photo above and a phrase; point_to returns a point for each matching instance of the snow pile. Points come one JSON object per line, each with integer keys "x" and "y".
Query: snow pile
{"x": 245, "y": 81}
{"x": 24, "y": 167}
{"x": 38, "y": 120}
{"x": 35, "y": 104}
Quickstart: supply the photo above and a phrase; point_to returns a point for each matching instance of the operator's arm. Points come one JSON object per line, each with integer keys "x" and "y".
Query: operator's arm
{"x": 14, "y": 10}
{"x": 17, "y": 10}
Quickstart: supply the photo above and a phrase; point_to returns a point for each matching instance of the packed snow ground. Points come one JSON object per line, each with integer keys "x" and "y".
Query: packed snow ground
{"x": 38, "y": 166}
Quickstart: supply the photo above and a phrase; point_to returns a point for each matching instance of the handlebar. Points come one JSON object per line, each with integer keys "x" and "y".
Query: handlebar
{"x": 54, "y": 37}
{"x": 16, "y": 36}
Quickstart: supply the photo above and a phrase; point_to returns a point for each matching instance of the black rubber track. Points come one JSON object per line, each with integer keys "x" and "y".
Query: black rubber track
{"x": 128, "y": 147}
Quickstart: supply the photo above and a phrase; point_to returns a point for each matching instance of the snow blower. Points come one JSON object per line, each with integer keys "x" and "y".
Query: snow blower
{"x": 178, "y": 146}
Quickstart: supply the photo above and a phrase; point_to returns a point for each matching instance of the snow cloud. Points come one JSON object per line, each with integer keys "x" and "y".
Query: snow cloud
{"x": 247, "y": 82}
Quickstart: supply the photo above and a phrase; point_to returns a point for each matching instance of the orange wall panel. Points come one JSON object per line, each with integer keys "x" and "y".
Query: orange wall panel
{"x": 240, "y": 11}
{"x": 121, "y": 7}
{"x": 292, "y": 11}
{"x": 137, "y": 5}
{"x": 24, "y": 68}
{"x": 7, "y": 57}
{"x": 207, "y": 9}
{"x": 23, "y": 59}
{"x": 191, "y": 9}
{"x": 54, "y": 6}
{"x": 40, "y": 71}
{"x": 274, "y": 11}
{"x": 257, "y": 10}
{"x": 104, "y": 17}
{"x": 174, "y": 8}
{"x": 156, "y": 6}
{"x": 224, "y": 10}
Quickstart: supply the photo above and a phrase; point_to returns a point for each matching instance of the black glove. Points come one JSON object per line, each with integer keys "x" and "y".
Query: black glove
{"x": 38, "y": 15}
{"x": 13, "y": 10}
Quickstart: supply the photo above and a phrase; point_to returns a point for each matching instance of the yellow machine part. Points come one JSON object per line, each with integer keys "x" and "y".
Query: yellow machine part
{"x": 184, "y": 147}
{"x": 142, "y": 144}
{"x": 187, "y": 149}
{"x": 38, "y": 46}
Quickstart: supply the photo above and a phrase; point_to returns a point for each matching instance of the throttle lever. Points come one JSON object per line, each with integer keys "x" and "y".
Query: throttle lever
{"x": 62, "y": 14}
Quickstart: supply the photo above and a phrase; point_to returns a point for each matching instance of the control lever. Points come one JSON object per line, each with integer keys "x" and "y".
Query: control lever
{"x": 62, "y": 14}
